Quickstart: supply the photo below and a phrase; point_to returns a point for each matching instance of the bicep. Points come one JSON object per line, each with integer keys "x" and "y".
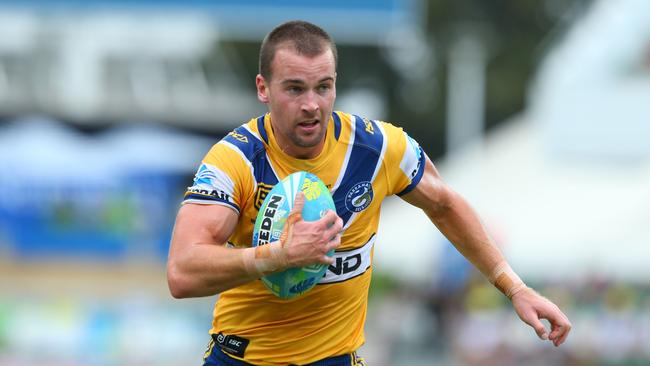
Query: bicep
{"x": 431, "y": 194}
{"x": 455, "y": 219}
{"x": 202, "y": 224}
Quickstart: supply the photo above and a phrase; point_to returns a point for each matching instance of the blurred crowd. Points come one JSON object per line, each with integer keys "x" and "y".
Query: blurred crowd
{"x": 611, "y": 325}
{"x": 473, "y": 324}
{"x": 136, "y": 329}
{"x": 467, "y": 324}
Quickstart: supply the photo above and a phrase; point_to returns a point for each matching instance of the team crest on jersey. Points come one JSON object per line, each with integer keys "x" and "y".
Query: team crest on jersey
{"x": 359, "y": 197}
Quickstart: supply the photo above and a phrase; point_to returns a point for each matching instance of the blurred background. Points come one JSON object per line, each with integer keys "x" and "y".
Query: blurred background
{"x": 536, "y": 111}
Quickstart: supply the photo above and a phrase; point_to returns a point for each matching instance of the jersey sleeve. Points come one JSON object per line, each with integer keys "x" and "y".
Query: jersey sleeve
{"x": 404, "y": 161}
{"x": 223, "y": 178}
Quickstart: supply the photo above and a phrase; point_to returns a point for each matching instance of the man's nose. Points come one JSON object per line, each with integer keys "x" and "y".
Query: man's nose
{"x": 310, "y": 102}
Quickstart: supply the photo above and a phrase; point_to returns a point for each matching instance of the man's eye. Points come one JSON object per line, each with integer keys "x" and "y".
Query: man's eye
{"x": 294, "y": 89}
{"x": 324, "y": 88}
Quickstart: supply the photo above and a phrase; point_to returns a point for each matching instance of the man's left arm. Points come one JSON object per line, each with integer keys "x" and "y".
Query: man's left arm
{"x": 458, "y": 221}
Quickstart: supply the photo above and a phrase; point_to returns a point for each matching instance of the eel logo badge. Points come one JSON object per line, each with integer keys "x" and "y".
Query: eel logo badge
{"x": 359, "y": 197}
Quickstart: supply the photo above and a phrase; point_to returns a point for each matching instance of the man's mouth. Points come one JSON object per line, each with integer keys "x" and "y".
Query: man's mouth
{"x": 308, "y": 124}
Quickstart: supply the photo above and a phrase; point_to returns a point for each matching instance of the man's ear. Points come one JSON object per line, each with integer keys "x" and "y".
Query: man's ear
{"x": 262, "y": 90}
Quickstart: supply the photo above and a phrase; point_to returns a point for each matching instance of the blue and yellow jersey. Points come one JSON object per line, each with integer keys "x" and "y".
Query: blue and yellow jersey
{"x": 362, "y": 162}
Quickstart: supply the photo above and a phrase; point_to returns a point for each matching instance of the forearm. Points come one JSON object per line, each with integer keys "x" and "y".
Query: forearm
{"x": 199, "y": 263}
{"x": 458, "y": 221}
{"x": 462, "y": 226}
{"x": 206, "y": 270}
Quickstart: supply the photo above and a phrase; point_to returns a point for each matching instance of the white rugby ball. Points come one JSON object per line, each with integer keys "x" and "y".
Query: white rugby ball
{"x": 270, "y": 222}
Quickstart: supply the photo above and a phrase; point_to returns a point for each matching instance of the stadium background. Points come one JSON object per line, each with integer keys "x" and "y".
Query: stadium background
{"x": 536, "y": 111}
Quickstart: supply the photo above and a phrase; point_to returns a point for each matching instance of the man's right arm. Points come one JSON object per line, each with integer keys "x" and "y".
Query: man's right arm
{"x": 200, "y": 264}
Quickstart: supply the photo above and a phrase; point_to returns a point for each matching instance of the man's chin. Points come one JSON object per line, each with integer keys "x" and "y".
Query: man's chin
{"x": 309, "y": 141}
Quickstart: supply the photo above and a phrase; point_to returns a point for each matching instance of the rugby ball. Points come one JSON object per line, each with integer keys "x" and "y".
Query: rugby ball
{"x": 270, "y": 222}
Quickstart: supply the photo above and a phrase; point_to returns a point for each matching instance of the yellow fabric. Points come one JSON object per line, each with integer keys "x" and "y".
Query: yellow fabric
{"x": 329, "y": 319}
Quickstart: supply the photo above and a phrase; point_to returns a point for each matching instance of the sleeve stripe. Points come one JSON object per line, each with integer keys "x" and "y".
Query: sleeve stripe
{"x": 337, "y": 125}
{"x": 365, "y": 161}
{"x": 379, "y": 163}
{"x": 253, "y": 133}
{"x": 384, "y": 144}
{"x": 240, "y": 153}
{"x": 418, "y": 176}
{"x": 346, "y": 159}
{"x": 206, "y": 199}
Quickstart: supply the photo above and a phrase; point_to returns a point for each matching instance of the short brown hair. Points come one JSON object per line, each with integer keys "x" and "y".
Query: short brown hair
{"x": 306, "y": 39}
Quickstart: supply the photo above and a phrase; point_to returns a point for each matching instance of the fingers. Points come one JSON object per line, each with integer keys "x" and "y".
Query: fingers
{"x": 334, "y": 242}
{"x": 333, "y": 227}
{"x": 327, "y": 260}
{"x": 298, "y": 204}
{"x": 528, "y": 305}
{"x": 541, "y": 308}
{"x": 563, "y": 336}
{"x": 332, "y": 238}
{"x": 537, "y": 325}
{"x": 294, "y": 216}
{"x": 331, "y": 220}
{"x": 331, "y": 245}
{"x": 559, "y": 334}
{"x": 561, "y": 326}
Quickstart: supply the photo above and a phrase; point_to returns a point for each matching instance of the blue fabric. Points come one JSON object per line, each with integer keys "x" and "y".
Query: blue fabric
{"x": 255, "y": 151}
{"x": 218, "y": 358}
{"x": 418, "y": 176}
{"x": 262, "y": 129}
{"x": 364, "y": 158}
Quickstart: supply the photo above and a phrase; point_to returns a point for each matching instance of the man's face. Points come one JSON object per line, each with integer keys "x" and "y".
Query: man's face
{"x": 300, "y": 97}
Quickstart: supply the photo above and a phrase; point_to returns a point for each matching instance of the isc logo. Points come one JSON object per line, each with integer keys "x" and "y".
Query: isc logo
{"x": 234, "y": 342}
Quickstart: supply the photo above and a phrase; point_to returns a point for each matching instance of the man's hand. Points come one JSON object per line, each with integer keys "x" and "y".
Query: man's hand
{"x": 532, "y": 307}
{"x": 306, "y": 242}
{"x": 302, "y": 243}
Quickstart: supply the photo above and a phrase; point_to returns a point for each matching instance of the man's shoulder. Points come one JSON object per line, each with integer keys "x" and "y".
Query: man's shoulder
{"x": 247, "y": 138}
{"x": 368, "y": 131}
{"x": 363, "y": 123}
